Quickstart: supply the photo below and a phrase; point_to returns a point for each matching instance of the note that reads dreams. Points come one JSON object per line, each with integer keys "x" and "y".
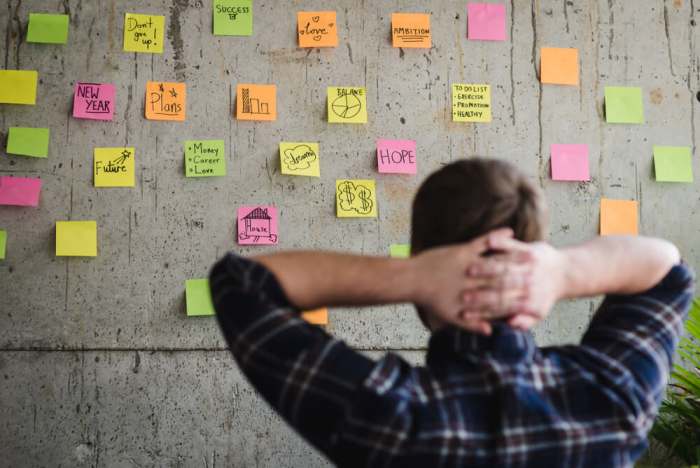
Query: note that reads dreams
{"x": 471, "y": 103}
{"x": 205, "y": 158}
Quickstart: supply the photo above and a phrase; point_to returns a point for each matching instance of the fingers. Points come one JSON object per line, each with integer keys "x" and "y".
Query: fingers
{"x": 523, "y": 322}
{"x": 475, "y": 325}
{"x": 507, "y": 244}
{"x": 482, "y": 244}
{"x": 501, "y": 265}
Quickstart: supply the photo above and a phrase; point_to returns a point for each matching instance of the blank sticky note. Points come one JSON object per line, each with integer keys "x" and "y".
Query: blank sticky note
{"x": 624, "y": 105}
{"x": 233, "y": 17}
{"x": 570, "y": 162}
{"x": 486, "y": 21}
{"x": 300, "y": 158}
{"x": 400, "y": 250}
{"x": 256, "y": 102}
{"x": 205, "y": 158}
{"x": 317, "y": 29}
{"x": 355, "y": 198}
{"x": 396, "y": 156}
{"x": 114, "y": 167}
{"x": 19, "y": 191}
{"x": 257, "y": 225}
{"x": 144, "y": 33}
{"x": 48, "y": 29}
{"x": 94, "y": 101}
{"x": 166, "y": 101}
{"x": 618, "y": 217}
{"x": 471, "y": 103}
{"x": 559, "y": 66}
{"x": 18, "y": 86}
{"x": 26, "y": 141}
{"x": 347, "y": 105}
{"x": 673, "y": 164}
{"x": 411, "y": 30}
{"x": 3, "y": 243}
{"x": 76, "y": 238}
{"x": 316, "y": 317}
{"x": 198, "y": 298}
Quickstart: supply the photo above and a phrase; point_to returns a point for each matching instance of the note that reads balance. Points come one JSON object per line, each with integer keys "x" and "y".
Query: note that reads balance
{"x": 205, "y": 158}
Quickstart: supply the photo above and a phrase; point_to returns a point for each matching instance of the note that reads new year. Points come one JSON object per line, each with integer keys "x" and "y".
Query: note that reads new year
{"x": 300, "y": 159}
{"x": 144, "y": 33}
{"x": 471, "y": 103}
{"x": 205, "y": 158}
{"x": 114, "y": 167}
{"x": 166, "y": 101}
{"x": 94, "y": 101}
{"x": 233, "y": 17}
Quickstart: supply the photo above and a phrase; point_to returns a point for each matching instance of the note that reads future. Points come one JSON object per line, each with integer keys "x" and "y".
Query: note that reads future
{"x": 205, "y": 158}
{"x": 233, "y": 17}
{"x": 144, "y": 33}
{"x": 94, "y": 101}
{"x": 471, "y": 103}
{"x": 114, "y": 167}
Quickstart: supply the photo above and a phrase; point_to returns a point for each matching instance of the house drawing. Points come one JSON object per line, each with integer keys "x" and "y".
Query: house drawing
{"x": 257, "y": 224}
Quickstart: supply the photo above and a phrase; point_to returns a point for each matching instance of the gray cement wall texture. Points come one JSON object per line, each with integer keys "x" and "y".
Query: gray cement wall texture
{"x": 99, "y": 365}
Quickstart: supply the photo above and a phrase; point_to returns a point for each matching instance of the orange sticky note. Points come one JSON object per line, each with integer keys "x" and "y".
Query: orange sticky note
{"x": 256, "y": 102}
{"x": 411, "y": 30}
{"x": 316, "y": 317}
{"x": 618, "y": 217}
{"x": 166, "y": 101}
{"x": 317, "y": 29}
{"x": 559, "y": 66}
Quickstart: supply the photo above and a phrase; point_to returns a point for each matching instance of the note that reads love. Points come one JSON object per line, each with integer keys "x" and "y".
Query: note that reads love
{"x": 233, "y": 17}
{"x": 471, "y": 103}
{"x": 114, "y": 167}
{"x": 396, "y": 156}
{"x": 355, "y": 198}
{"x": 205, "y": 158}
{"x": 144, "y": 33}
{"x": 317, "y": 29}
{"x": 166, "y": 101}
{"x": 411, "y": 30}
{"x": 257, "y": 225}
{"x": 347, "y": 104}
{"x": 94, "y": 101}
{"x": 300, "y": 159}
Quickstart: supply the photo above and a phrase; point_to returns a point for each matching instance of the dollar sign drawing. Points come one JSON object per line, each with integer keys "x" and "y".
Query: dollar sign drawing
{"x": 365, "y": 196}
{"x": 346, "y": 195}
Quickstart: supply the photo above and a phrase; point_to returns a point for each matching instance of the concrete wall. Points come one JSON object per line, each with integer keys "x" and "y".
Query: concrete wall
{"x": 99, "y": 366}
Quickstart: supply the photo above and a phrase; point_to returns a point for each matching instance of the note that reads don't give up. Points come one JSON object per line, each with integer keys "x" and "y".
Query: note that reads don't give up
{"x": 144, "y": 33}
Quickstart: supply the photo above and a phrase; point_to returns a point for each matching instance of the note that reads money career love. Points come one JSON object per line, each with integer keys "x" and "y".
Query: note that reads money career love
{"x": 205, "y": 158}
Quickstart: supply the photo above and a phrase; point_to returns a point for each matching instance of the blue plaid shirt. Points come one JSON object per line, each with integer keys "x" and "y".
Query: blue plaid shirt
{"x": 496, "y": 401}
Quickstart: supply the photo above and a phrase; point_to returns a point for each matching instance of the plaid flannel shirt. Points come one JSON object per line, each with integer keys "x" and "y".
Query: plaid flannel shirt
{"x": 497, "y": 401}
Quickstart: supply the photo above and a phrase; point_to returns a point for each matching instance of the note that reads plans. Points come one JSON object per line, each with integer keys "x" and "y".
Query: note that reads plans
{"x": 205, "y": 158}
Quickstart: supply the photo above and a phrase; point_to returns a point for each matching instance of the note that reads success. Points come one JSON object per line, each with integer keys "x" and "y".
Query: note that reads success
{"x": 233, "y": 17}
{"x": 114, "y": 167}
{"x": 144, "y": 33}
{"x": 471, "y": 103}
{"x": 205, "y": 158}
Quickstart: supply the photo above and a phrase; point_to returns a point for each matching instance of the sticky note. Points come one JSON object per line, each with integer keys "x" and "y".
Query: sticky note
{"x": 347, "y": 105}
{"x": 316, "y": 317}
{"x": 114, "y": 167}
{"x": 26, "y": 141}
{"x": 486, "y": 21}
{"x": 256, "y": 102}
{"x": 396, "y": 156}
{"x": 471, "y": 103}
{"x": 317, "y": 29}
{"x": 570, "y": 162}
{"x": 623, "y": 104}
{"x": 166, "y": 101}
{"x": 18, "y": 86}
{"x": 355, "y": 198}
{"x": 301, "y": 159}
{"x": 411, "y": 30}
{"x": 618, "y": 217}
{"x": 94, "y": 101}
{"x": 76, "y": 238}
{"x": 144, "y": 33}
{"x": 205, "y": 158}
{"x": 19, "y": 191}
{"x": 559, "y": 66}
{"x": 257, "y": 225}
{"x": 400, "y": 250}
{"x": 673, "y": 163}
{"x": 198, "y": 298}
{"x": 3, "y": 243}
{"x": 233, "y": 17}
{"x": 48, "y": 29}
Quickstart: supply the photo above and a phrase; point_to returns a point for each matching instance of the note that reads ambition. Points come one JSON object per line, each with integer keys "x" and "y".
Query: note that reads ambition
{"x": 471, "y": 103}
{"x": 205, "y": 158}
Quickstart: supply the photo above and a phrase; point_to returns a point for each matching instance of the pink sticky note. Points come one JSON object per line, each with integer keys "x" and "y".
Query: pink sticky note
{"x": 257, "y": 225}
{"x": 396, "y": 156}
{"x": 570, "y": 162}
{"x": 94, "y": 101}
{"x": 486, "y": 21}
{"x": 19, "y": 191}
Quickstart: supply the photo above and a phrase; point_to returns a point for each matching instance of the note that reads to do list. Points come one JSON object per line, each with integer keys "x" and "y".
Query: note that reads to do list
{"x": 114, "y": 167}
{"x": 166, "y": 101}
{"x": 347, "y": 105}
{"x": 94, "y": 101}
{"x": 233, "y": 17}
{"x": 257, "y": 225}
{"x": 205, "y": 158}
{"x": 396, "y": 156}
{"x": 471, "y": 103}
{"x": 144, "y": 33}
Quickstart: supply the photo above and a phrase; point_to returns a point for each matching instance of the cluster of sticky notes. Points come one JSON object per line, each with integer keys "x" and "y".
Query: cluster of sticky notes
{"x": 411, "y": 30}
{"x": 256, "y": 102}
{"x": 144, "y": 33}
{"x": 623, "y": 104}
{"x": 19, "y": 191}
{"x": 114, "y": 167}
{"x": 618, "y": 217}
{"x": 3, "y": 244}
{"x": 18, "y": 86}
{"x": 257, "y": 225}
{"x": 47, "y": 28}
{"x": 400, "y": 250}
{"x": 486, "y": 21}
{"x": 94, "y": 101}
{"x": 316, "y": 316}
{"x": 198, "y": 299}
{"x": 317, "y": 29}
{"x": 76, "y": 238}
{"x": 205, "y": 158}
{"x": 396, "y": 156}
{"x": 471, "y": 103}
{"x": 673, "y": 164}
{"x": 25, "y": 141}
{"x": 300, "y": 158}
{"x": 355, "y": 198}
{"x": 233, "y": 17}
{"x": 570, "y": 162}
{"x": 347, "y": 104}
{"x": 166, "y": 101}
{"x": 559, "y": 66}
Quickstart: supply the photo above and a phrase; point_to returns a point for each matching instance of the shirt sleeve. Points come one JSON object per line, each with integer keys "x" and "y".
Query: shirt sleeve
{"x": 307, "y": 376}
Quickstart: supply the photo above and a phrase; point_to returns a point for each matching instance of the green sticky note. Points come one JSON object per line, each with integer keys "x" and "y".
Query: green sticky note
{"x": 205, "y": 158}
{"x": 623, "y": 105}
{"x": 400, "y": 250}
{"x": 48, "y": 29}
{"x": 673, "y": 164}
{"x": 233, "y": 17}
{"x": 3, "y": 243}
{"x": 28, "y": 141}
{"x": 198, "y": 298}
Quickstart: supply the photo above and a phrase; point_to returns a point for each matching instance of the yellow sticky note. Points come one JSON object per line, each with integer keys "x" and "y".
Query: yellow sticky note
{"x": 355, "y": 198}
{"x": 114, "y": 167}
{"x": 411, "y": 30}
{"x": 166, "y": 101}
{"x": 618, "y": 217}
{"x": 347, "y": 104}
{"x": 316, "y": 316}
{"x": 559, "y": 66}
{"x": 76, "y": 238}
{"x": 18, "y": 86}
{"x": 301, "y": 159}
{"x": 471, "y": 103}
{"x": 144, "y": 33}
{"x": 256, "y": 102}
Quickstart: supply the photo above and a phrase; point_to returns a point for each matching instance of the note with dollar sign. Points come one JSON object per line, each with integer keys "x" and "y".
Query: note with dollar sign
{"x": 355, "y": 198}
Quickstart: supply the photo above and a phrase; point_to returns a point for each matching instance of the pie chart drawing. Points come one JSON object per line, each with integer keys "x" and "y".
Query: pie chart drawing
{"x": 346, "y": 107}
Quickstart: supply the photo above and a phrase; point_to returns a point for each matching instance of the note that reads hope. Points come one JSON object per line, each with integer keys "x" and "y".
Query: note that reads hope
{"x": 114, "y": 167}
{"x": 300, "y": 159}
{"x": 233, "y": 17}
{"x": 166, "y": 101}
{"x": 471, "y": 103}
{"x": 317, "y": 29}
{"x": 144, "y": 33}
{"x": 257, "y": 225}
{"x": 396, "y": 156}
{"x": 94, "y": 101}
{"x": 205, "y": 158}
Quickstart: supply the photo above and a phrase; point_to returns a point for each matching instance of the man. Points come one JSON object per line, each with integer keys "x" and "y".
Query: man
{"x": 487, "y": 396}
